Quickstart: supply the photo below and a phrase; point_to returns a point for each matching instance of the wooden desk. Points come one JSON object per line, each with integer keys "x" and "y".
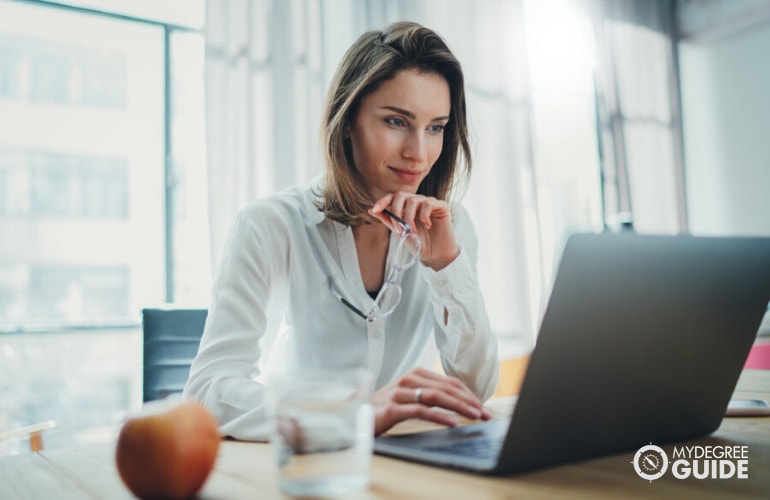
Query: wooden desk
{"x": 246, "y": 470}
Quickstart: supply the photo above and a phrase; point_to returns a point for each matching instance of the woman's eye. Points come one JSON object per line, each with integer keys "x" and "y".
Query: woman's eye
{"x": 396, "y": 122}
{"x": 436, "y": 129}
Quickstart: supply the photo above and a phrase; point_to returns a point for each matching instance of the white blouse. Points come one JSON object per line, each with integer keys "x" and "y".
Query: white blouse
{"x": 272, "y": 308}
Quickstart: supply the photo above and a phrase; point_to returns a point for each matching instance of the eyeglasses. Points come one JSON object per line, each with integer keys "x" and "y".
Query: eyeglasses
{"x": 389, "y": 296}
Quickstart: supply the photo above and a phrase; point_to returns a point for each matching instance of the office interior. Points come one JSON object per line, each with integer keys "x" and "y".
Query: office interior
{"x": 131, "y": 134}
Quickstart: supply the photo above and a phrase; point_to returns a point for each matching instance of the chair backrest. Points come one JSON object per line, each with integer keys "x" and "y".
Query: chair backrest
{"x": 171, "y": 339}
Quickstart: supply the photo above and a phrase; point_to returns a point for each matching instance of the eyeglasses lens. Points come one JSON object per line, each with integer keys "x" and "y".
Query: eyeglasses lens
{"x": 387, "y": 300}
{"x": 407, "y": 252}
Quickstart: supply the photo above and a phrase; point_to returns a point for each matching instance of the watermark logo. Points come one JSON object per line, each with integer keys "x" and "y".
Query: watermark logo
{"x": 700, "y": 462}
{"x": 650, "y": 462}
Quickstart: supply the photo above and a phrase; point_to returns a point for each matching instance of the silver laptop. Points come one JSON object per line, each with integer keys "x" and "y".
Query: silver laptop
{"x": 642, "y": 341}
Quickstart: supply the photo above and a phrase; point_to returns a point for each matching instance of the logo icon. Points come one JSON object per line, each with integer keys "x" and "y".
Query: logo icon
{"x": 650, "y": 462}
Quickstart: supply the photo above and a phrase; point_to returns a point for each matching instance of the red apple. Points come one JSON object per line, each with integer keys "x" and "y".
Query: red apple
{"x": 170, "y": 454}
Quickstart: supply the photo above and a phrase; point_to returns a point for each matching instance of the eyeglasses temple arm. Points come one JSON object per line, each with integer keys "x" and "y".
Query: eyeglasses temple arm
{"x": 345, "y": 301}
{"x": 352, "y": 307}
{"x": 397, "y": 218}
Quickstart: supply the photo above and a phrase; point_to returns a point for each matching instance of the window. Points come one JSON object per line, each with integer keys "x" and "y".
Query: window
{"x": 84, "y": 183}
{"x": 102, "y": 201}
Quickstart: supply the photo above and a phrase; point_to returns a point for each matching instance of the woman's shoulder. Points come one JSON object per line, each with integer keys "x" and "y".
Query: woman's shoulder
{"x": 289, "y": 205}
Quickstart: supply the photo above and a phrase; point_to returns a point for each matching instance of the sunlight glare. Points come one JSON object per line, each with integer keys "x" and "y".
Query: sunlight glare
{"x": 560, "y": 47}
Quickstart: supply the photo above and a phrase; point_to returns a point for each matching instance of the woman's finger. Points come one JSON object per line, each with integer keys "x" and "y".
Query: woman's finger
{"x": 441, "y": 398}
{"x": 382, "y": 203}
{"x": 411, "y": 206}
{"x": 397, "y": 201}
{"x": 437, "y": 390}
{"x": 422, "y": 377}
{"x": 426, "y": 211}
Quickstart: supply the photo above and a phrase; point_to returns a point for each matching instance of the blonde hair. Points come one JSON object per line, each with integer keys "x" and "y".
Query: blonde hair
{"x": 373, "y": 59}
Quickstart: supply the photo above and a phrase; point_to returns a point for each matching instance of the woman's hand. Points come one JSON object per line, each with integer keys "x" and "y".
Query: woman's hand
{"x": 417, "y": 395}
{"x": 431, "y": 221}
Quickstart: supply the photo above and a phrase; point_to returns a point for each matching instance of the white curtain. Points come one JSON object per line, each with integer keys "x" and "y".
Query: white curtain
{"x": 639, "y": 113}
{"x": 488, "y": 39}
{"x": 264, "y": 92}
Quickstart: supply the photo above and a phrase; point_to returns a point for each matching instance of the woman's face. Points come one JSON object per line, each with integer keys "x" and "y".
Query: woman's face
{"x": 399, "y": 131}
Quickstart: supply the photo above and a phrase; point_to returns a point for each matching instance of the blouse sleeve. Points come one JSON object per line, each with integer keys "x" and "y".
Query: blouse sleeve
{"x": 223, "y": 374}
{"x": 465, "y": 341}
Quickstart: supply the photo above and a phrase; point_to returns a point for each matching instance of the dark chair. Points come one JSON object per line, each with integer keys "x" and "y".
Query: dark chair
{"x": 171, "y": 339}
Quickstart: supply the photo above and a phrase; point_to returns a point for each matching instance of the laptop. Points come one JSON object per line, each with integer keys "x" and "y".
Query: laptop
{"x": 642, "y": 341}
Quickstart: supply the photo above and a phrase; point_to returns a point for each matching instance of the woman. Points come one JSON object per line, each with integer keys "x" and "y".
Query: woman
{"x": 329, "y": 259}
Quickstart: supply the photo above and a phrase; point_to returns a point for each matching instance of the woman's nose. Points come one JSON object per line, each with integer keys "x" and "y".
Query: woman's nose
{"x": 415, "y": 147}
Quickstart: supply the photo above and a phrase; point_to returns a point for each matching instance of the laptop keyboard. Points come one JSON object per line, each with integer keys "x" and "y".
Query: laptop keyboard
{"x": 477, "y": 446}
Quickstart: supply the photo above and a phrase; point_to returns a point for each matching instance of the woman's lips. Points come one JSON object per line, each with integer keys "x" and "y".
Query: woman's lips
{"x": 407, "y": 175}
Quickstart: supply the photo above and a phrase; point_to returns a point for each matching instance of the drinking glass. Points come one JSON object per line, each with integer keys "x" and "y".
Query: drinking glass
{"x": 323, "y": 431}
